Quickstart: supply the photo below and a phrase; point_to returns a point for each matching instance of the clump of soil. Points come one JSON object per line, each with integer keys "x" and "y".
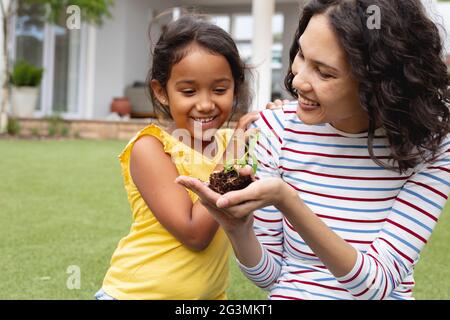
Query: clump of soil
{"x": 225, "y": 181}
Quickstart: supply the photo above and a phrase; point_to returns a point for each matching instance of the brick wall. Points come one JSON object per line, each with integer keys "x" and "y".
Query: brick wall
{"x": 85, "y": 129}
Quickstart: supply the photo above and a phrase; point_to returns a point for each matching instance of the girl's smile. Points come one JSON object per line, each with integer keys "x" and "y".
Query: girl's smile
{"x": 199, "y": 92}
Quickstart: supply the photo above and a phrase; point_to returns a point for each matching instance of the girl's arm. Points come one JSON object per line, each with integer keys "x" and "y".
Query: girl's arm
{"x": 153, "y": 173}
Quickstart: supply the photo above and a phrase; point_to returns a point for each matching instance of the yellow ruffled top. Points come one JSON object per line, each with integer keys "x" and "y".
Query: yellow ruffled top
{"x": 150, "y": 263}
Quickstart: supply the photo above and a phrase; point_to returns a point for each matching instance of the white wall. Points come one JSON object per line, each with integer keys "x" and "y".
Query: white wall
{"x": 440, "y": 14}
{"x": 122, "y": 50}
{"x": 109, "y": 60}
{"x": 2, "y": 62}
{"x": 443, "y": 12}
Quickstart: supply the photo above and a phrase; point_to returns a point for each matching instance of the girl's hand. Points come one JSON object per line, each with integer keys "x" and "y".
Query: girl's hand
{"x": 235, "y": 208}
{"x": 209, "y": 198}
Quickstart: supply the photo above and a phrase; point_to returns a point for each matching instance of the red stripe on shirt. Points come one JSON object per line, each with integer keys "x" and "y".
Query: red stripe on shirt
{"x": 440, "y": 168}
{"x": 267, "y": 150}
{"x": 266, "y": 165}
{"x": 313, "y": 133}
{"x": 315, "y": 284}
{"x": 430, "y": 188}
{"x": 343, "y": 156}
{"x": 302, "y": 271}
{"x": 344, "y": 177}
{"x": 342, "y": 198}
{"x": 274, "y": 252}
{"x": 270, "y": 127}
{"x": 350, "y": 220}
{"x": 299, "y": 251}
{"x": 409, "y": 204}
{"x": 368, "y": 288}
{"x": 356, "y": 274}
{"x": 267, "y": 220}
{"x": 407, "y": 230}
{"x": 396, "y": 250}
{"x": 284, "y": 297}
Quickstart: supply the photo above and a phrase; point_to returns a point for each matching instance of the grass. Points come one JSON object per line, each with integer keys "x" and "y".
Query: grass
{"x": 62, "y": 204}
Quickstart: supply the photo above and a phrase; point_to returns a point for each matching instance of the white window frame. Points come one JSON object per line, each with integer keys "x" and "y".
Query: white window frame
{"x": 48, "y": 57}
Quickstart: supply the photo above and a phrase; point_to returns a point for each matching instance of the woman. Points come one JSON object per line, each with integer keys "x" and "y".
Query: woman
{"x": 352, "y": 177}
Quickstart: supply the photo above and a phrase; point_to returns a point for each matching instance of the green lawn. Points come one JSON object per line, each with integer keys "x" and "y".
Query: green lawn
{"x": 62, "y": 204}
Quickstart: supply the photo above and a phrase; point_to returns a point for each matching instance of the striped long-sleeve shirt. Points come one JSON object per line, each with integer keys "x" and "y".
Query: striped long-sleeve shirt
{"x": 386, "y": 216}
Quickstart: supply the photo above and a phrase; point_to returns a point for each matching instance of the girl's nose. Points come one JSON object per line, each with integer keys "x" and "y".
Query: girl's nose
{"x": 205, "y": 105}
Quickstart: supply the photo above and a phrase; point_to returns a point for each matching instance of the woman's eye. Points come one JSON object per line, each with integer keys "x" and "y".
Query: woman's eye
{"x": 324, "y": 75}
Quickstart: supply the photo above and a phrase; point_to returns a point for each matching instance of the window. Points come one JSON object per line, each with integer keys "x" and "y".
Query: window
{"x": 241, "y": 28}
{"x": 29, "y": 34}
{"x": 222, "y": 21}
{"x": 56, "y": 49}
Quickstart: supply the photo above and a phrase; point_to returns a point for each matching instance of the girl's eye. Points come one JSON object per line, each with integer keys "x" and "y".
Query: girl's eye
{"x": 220, "y": 90}
{"x": 188, "y": 92}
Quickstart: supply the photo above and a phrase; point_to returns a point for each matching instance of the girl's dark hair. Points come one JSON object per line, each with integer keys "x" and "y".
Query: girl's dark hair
{"x": 403, "y": 80}
{"x": 171, "y": 49}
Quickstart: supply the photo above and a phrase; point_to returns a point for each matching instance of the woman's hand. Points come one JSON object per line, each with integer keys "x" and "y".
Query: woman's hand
{"x": 235, "y": 208}
{"x": 277, "y": 104}
{"x": 246, "y": 120}
{"x": 208, "y": 198}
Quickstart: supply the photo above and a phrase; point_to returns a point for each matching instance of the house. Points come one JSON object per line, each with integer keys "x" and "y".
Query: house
{"x": 86, "y": 68}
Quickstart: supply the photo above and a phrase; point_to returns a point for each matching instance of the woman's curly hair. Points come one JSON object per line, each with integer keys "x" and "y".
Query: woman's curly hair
{"x": 403, "y": 80}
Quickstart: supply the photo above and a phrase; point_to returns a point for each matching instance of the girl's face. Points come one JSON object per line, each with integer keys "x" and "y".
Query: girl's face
{"x": 328, "y": 93}
{"x": 199, "y": 92}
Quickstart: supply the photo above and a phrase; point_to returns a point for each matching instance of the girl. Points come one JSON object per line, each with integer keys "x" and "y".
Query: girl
{"x": 354, "y": 175}
{"x": 175, "y": 249}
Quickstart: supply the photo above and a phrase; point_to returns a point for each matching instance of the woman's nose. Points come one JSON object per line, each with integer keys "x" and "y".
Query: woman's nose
{"x": 301, "y": 82}
{"x": 301, "y": 76}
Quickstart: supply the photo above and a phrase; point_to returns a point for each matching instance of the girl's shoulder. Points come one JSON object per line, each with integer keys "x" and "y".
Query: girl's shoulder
{"x": 152, "y": 130}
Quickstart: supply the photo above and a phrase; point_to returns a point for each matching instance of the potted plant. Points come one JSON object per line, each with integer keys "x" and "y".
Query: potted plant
{"x": 25, "y": 81}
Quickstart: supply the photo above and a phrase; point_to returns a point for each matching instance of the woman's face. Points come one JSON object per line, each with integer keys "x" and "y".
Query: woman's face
{"x": 328, "y": 93}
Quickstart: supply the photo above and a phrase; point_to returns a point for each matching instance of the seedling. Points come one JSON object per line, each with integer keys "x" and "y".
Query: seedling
{"x": 229, "y": 178}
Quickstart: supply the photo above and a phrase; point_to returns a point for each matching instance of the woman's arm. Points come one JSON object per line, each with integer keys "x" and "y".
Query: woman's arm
{"x": 333, "y": 251}
{"x": 391, "y": 256}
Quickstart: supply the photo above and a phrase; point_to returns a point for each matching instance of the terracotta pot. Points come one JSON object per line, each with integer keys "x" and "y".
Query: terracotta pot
{"x": 121, "y": 105}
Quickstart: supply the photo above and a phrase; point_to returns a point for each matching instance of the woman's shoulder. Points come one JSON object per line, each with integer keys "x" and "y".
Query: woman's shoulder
{"x": 276, "y": 119}
{"x": 441, "y": 159}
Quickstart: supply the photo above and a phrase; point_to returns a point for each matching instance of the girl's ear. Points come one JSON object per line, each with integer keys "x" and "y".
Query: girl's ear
{"x": 160, "y": 92}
